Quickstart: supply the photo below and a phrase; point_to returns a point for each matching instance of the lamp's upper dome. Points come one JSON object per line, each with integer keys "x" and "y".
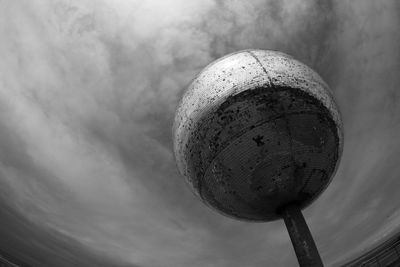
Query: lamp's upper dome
{"x": 256, "y": 130}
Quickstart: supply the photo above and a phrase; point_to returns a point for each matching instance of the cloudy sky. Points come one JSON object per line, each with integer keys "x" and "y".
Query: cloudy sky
{"x": 88, "y": 90}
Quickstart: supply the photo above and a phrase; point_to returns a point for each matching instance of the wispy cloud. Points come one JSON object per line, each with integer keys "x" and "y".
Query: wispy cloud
{"x": 88, "y": 91}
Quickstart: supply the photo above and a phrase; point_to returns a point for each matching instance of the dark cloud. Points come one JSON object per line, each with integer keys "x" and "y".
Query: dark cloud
{"x": 88, "y": 91}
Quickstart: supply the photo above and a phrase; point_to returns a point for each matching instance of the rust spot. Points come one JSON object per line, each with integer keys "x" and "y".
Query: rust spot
{"x": 259, "y": 140}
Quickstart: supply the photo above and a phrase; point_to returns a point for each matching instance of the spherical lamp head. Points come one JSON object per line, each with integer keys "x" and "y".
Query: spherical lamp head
{"x": 255, "y": 131}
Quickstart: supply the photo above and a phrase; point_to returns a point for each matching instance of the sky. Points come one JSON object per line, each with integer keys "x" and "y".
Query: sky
{"x": 88, "y": 91}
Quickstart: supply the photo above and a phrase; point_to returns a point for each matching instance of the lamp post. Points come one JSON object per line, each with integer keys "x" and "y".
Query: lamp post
{"x": 258, "y": 137}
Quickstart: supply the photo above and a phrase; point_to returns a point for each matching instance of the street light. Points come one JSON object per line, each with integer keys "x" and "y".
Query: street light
{"x": 258, "y": 137}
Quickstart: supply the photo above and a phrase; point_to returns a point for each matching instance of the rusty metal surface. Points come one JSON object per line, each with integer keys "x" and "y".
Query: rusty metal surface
{"x": 256, "y": 130}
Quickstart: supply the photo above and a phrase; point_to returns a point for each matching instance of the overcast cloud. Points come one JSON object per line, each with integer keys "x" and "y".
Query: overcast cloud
{"x": 88, "y": 90}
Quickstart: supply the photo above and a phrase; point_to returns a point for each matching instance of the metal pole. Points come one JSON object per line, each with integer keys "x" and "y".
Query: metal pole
{"x": 303, "y": 243}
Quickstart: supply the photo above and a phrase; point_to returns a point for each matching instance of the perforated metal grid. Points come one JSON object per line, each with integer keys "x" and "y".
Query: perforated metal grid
{"x": 256, "y": 130}
{"x": 282, "y": 148}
